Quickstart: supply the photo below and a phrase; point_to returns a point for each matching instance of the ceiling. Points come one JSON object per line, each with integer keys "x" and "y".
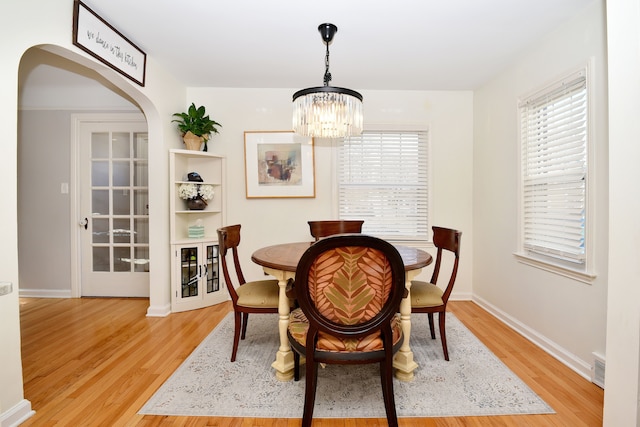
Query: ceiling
{"x": 380, "y": 45}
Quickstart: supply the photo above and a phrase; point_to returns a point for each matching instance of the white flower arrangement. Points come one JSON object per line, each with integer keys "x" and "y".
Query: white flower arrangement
{"x": 189, "y": 191}
{"x": 206, "y": 191}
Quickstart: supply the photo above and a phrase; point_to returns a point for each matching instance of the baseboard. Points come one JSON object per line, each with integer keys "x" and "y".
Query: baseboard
{"x": 45, "y": 293}
{"x": 461, "y": 296}
{"x": 159, "y": 310}
{"x": 573, "y": 362}
{"x": 17, "y": 415}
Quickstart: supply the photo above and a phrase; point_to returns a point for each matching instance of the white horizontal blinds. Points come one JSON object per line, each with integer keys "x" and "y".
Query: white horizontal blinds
{"x": 554, "y": 165}
{"x": 382, "y": 179}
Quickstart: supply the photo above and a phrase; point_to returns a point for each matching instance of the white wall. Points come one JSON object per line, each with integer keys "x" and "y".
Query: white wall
{"x": 621, "y": 406}
{"x": 565, "y": 316}
{"x": 270, "y": 221}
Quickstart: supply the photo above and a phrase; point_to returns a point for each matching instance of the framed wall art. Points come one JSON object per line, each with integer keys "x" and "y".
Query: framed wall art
{"x": 278, "y": 164}
{"x": 99, "y": 39}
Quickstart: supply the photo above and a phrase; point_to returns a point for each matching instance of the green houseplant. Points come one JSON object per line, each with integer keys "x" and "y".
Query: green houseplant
{"x": 195, "y": 127}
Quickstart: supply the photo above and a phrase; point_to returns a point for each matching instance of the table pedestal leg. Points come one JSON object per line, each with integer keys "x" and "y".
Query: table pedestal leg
{"x": 403, "y": 360}
{"x": 284, "y": 357}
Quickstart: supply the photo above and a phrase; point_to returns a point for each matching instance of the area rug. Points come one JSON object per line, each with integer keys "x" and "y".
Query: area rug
{"x": 473, "y": 382}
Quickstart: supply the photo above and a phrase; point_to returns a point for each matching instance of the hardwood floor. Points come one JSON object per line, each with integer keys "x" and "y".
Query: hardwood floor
{"x": 95, "y": 362}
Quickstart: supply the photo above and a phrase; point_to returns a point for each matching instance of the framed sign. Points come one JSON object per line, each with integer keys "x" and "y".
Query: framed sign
{"x": 99, "y": 39}
{"x": 278, "y": 164}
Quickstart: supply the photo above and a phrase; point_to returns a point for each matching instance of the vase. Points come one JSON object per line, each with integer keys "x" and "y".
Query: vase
{"x": 196, "y": 204}
{"x": 192, "y": 142}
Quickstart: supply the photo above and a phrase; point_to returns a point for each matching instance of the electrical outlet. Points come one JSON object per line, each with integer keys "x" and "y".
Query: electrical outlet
{"x": 6, "y": 288}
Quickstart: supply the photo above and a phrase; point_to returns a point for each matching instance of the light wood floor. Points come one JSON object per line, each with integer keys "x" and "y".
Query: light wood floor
{"x": 95, "y": 362}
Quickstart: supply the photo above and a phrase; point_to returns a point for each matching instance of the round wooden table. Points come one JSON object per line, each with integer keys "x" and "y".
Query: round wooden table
{"x": 281, "y": 261}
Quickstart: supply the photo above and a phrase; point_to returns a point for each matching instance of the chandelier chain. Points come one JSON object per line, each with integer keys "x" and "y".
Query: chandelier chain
{"x": 327, "y": 74}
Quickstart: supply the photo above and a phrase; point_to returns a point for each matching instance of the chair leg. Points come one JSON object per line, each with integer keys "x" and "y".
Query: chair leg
{"x": 236, "y": 335}
{"x": 443, "y": 335}
{"x": 296, "y": 366}
{"x": 311, "y": 382}
{"x": 386, "y": 375}
{"x": 431, "y": 328}
{"x": 245, "y": 320}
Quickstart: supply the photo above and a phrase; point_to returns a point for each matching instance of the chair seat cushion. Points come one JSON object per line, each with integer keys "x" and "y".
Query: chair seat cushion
{"x": 299, "y": 325}
{"x": 424, "y": 294}
{"x": 261, "y": 293}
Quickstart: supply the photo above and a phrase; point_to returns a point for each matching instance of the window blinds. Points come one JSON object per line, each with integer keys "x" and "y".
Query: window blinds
{"x": 554, "y": 169}
{"x": 382, "y": 179}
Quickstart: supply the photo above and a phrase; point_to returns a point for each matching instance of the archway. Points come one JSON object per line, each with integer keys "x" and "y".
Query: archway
{"x": 52, "y": 90}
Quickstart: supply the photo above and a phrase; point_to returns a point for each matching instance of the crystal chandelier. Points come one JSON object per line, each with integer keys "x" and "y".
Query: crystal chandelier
{"x": 327, "y": 111}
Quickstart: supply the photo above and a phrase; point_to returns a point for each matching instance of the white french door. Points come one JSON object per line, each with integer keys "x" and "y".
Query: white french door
{"x": 114, "y": 209}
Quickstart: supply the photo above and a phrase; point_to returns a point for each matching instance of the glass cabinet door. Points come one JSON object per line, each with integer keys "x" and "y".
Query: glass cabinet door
{"x": 197, "y": 277}
{"x": 212, "y": 278}
{"x": 189, "y": 271}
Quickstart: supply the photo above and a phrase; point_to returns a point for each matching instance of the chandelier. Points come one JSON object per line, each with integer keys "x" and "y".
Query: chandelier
{"x": 327, "y": 111}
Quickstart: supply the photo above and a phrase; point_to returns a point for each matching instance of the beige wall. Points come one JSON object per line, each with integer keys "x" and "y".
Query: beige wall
{"x": 448, "y": 115}
{"x": 565, "y": 316}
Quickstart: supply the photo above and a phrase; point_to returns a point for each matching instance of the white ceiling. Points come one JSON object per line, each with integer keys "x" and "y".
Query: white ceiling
{"x": 399, "y": 45}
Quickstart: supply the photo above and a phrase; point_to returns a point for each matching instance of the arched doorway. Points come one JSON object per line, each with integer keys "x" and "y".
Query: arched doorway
{"x": 53, "y": 90}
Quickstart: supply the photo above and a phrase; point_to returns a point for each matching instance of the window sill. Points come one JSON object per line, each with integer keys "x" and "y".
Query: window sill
{"x": 579, "y": 275}
{"x": 419, "y": 244}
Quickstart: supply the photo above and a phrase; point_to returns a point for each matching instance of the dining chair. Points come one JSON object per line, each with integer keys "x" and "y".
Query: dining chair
{"x": 429, "y": 297}
{"x": 349, "y": 289}
{"x": 259, "y": 296}
{"x": 321, "y": 229}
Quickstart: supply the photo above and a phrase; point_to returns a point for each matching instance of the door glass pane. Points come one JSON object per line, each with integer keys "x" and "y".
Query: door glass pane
{"x": 99, "y": 173}
{"x": 100, "y": 227}
{"x": 141, "y": 202}
{"x": 121, "y": 258}
{"x": 121, "y": 144}
{"x": 141, "y": 145}
{"x": 121, "y": 202}
{"x": 140, "y": 173}
{"x": 141, "y": 262}
{"x": 189, "y": 271}
{"x": 100, "y": 202}
{"x": 121, "y": 174}
{"x": 101, "y": 260}
{"x": 100, "y": 145}
{"x": 141, "y": 231}
{"x": 121, "y": 230}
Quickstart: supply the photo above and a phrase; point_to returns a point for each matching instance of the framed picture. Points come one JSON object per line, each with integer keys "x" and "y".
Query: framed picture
{"x": 278, "y": 164}
{"x": 99, "y": 39}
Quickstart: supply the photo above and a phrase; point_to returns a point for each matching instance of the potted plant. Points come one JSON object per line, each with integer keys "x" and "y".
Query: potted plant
{"x": 195, "y": 127}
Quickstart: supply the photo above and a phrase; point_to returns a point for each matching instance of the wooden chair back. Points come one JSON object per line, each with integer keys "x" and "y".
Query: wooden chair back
{"x": 229, "y": 240}
{"x": 321, "y": 229}
{"x": 446, "y": 239}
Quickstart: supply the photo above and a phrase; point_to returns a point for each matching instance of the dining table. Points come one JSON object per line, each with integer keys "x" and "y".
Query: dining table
{"x": 281, "y": 261}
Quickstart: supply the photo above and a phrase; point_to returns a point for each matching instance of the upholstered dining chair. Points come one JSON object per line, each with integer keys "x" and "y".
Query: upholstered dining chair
{"x": 260, "y": 296}
{"x": 429, "y": 297}
{"x": 349, "y": 289}
{"x": 321, "y": 229}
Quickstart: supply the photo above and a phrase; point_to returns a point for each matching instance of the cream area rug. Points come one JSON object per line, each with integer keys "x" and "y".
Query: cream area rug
{"x": 473, "y": 382}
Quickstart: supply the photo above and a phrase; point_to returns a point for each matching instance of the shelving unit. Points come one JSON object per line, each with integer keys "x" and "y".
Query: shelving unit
{"x": 196, "y": 280}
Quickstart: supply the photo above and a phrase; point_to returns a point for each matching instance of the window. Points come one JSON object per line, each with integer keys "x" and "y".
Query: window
{"x": 554, "y": 140}
{"x": 383, "y": 180}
